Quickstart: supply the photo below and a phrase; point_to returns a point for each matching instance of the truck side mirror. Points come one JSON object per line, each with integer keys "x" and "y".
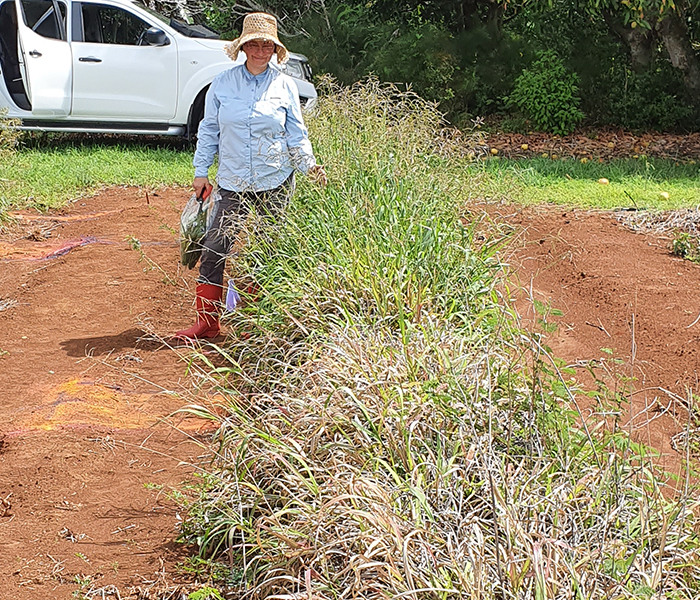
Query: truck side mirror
{"x": 156, "y": 37}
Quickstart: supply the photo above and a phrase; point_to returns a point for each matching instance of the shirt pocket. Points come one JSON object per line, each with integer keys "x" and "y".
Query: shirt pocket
{"x": 273, "y": 112}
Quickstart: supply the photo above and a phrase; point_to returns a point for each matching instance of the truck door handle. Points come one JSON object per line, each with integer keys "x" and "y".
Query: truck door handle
{"x": 34, "y": 53}
{"x": 92, "y": 59}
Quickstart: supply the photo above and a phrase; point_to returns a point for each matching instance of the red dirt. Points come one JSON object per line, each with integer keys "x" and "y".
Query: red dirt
{"x": 85, "y": 463}
{"x": 628, "y": 304}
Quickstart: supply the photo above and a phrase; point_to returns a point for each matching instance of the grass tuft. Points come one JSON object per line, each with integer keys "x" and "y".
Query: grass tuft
{"x": 387, "y": 429}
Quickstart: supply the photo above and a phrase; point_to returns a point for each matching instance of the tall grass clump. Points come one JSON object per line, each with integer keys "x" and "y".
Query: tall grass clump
{"x": 9, "y": 140}
{"x": 388, "y": 431}
{"x": 9, "y": 134}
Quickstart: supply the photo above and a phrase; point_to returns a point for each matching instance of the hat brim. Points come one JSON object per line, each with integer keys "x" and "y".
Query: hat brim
{"x": 235, "y": 46}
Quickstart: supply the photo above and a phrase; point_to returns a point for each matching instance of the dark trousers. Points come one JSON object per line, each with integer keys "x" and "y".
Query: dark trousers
{"x": 232, "y": 214}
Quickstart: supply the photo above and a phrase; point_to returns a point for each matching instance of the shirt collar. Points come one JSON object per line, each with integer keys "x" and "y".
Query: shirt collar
{"x": 250, "y": 77}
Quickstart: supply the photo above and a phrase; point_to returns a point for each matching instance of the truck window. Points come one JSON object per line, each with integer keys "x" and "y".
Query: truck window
{"x": 45, "y": 17}
{"x": 111, "y": 25}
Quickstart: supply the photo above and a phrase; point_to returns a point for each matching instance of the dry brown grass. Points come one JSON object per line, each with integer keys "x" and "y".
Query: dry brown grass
{"x": 389, "y": 432}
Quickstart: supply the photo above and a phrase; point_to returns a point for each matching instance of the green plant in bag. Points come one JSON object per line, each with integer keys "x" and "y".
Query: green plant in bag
{"x": 194, "y": 222}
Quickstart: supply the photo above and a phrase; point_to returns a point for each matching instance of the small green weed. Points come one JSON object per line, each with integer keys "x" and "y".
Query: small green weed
{"x": 206, "y": 593}
{"x": 211, "y": 571}
{"x": 686, "y": 246}
{"x": 84, "y": 582}
{"x": 135, "y": 244}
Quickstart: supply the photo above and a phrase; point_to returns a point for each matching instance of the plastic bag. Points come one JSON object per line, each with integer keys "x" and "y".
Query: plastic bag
{"x": 196, "y": 219}
{"x": 233, "y": 298}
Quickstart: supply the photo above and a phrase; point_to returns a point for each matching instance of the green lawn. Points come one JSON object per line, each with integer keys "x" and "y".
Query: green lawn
{"x": 635, "y": 183}
{"x": 49, "y": 174}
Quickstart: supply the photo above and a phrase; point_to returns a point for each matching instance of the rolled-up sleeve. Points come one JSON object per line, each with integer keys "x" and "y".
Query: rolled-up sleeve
{"x": 300, "y": 150}
{"x": 208, "y": 134}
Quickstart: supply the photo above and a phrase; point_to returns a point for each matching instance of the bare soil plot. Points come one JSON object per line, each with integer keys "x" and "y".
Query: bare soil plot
{"x": 628, "y": 304}
{"x": 85, "y": 460}
{"x": 85, "y": 463}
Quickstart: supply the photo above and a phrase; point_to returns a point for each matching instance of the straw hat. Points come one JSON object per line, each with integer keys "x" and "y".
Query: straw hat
{"x": 258, "y": 26}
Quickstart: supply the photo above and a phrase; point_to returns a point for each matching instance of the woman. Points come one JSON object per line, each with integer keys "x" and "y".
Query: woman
{"x": 252, "y": 119}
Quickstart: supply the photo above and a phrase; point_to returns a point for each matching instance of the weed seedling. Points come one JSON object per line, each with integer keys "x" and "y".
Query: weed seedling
{"x": 135, "y": 244}
{"x": 206, "y": 593}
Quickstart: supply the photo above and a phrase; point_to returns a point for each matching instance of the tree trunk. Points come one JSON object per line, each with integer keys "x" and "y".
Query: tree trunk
{"x": 639, "y": 41}
{"x": 467, "y": 16}
{"x": 494, "y": 19}
{"x": 674, "y": 34}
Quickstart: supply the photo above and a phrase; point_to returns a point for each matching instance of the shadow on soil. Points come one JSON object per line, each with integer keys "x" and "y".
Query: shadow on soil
{"x": 131, "y": 339}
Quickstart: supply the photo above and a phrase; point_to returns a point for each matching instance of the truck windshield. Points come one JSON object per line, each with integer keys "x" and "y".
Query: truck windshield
{"x": 155, "y": 13}
{"x": 187, "y": 29}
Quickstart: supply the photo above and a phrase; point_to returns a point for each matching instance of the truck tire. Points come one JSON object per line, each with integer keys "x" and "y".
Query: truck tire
{"x": 196, "y": 115}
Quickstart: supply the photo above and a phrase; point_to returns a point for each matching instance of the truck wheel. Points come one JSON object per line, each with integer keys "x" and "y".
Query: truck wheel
{"x": 196, "y": 115}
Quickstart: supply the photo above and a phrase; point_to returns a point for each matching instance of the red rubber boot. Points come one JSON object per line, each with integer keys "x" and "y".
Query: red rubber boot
{"x": 208, "y": 308}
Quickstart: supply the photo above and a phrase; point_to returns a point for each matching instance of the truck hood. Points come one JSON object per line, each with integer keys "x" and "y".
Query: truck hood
{"x": 211, "y": 44}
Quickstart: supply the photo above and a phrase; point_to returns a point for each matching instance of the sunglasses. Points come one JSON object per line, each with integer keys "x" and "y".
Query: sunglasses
{"x": 264, "y": 46}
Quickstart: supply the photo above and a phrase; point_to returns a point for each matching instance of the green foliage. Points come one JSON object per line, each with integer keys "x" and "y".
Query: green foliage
{"x": 548, "y": 95}
{"x": 212, "y": 571}
{"x": 468, "y": 73}
{"x": 380, "y": 402}
{"x": 206, "y": 593}
{"x": 687, "y": 246}
{"x": 650, "y": 100}
{"x": 427, "y": 61}
{"x": 467, "y": 56}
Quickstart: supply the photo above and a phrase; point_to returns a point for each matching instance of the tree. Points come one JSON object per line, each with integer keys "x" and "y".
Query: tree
{"x": 643, "y": 23}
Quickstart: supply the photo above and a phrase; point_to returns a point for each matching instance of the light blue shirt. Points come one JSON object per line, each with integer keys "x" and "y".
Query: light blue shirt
{"x": 254, "y": 122}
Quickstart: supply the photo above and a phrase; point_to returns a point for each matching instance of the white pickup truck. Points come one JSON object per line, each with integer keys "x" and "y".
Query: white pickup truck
{"x": 111, "y": 66}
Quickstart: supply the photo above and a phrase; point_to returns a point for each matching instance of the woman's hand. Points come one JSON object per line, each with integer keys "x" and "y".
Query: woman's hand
{"x": 317, "y": 174}
{"x": 200, "y": 184}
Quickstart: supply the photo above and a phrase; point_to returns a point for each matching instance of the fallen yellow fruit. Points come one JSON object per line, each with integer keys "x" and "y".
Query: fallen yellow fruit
{"x": 611, "y": 144}
{"x": 664, "y": 195}
{"x": 603, "y": 181}
{"x": 524, "y": 147}
{"x": 494, "y": 151}
{"x": 584, "y": 160}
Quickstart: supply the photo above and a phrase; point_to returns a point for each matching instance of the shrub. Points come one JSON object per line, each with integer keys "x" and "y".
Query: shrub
{"x": 651, "y": 100}
{"x": 548, "y": 95}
